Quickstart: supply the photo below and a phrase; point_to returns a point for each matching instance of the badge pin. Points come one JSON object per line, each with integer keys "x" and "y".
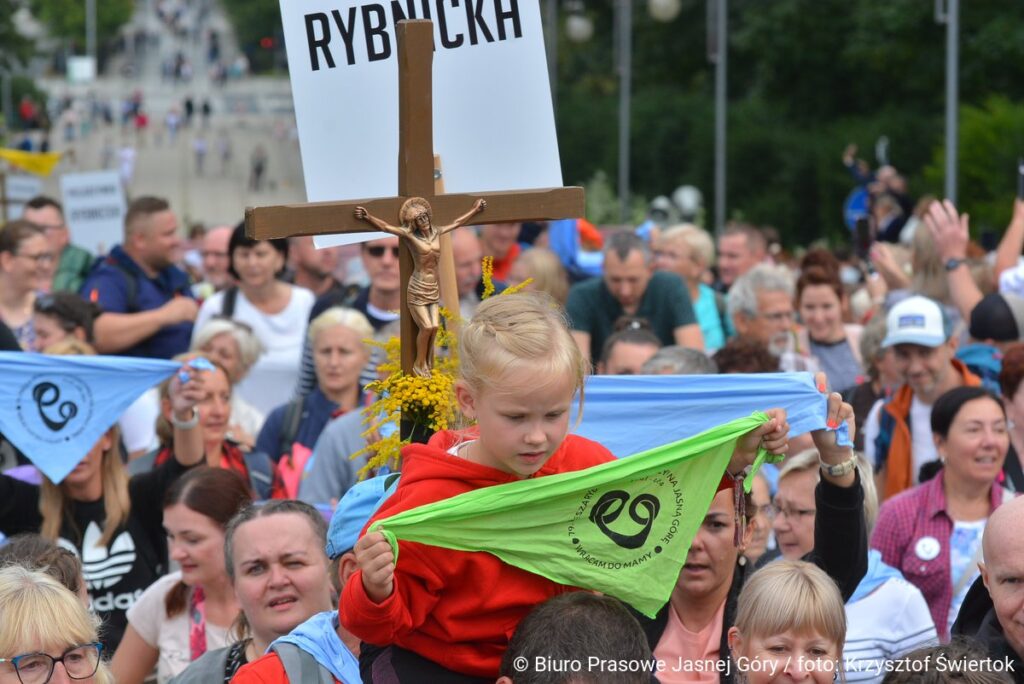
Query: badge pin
{"x": 927, "y": 548}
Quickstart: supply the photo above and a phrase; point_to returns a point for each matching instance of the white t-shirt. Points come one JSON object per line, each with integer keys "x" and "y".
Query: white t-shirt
{"x": 271, "y": 379}
{"x": 922, "y": 446}
{"x": 1011, "y": 281}
{"x": 169, "y": 635}
{"x": 890, "y": 621}
{"x": 138, "y": 422}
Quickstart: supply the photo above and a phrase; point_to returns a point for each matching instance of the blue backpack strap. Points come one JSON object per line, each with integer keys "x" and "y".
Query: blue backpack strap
{"x": 261, "y": 473}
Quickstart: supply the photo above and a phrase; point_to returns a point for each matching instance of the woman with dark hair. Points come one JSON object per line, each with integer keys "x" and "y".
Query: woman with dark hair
{"x": 1010, "y": 378}
{"x": 26, "y": 268}
{"x": 184, "y": 614}
{"x": 277, "y": 312}
{"x": 32, "y": 552}
{"x": 59, "y": 315}
{"x": 932, "y": 532}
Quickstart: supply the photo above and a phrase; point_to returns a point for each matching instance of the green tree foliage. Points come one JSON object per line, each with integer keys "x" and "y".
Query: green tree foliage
{"x": 66, "y": 18}
{"x": 991, "y": 141}
{"x": 805, "y": 78}
{"x": 15, "y": 49}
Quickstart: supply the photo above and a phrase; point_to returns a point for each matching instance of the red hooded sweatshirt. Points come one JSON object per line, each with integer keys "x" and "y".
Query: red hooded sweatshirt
{"x": 456, "y": 608}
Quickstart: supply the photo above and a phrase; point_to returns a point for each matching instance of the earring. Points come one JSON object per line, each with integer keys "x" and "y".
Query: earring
{"x": 742, "y": 560}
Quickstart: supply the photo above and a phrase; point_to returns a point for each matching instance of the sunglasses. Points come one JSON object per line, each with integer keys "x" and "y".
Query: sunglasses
{"x": 377, "y": 252}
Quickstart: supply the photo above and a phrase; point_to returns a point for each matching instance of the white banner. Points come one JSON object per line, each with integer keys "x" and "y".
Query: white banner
{"x": 94, "y": 208}
{"x": 494, "y": 125}
{"x": 19, "y": 189}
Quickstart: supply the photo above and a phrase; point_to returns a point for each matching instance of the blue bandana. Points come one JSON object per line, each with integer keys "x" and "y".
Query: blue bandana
{"x": 54, "y": 408}
{"x": 631, "y": 413}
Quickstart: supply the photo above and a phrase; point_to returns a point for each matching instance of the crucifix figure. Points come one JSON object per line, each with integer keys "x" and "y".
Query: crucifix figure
{"x": 427, "y": 260}
{"x": 423, "y": 296}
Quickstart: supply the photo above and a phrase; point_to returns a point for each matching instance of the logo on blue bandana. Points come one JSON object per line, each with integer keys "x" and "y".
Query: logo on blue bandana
{"x": 54, "y": 409}
{"x": 911, "y": 321}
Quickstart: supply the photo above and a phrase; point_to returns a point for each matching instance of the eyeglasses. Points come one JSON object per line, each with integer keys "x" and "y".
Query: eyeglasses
{"x": 377, "y": 251}
{"x": 208, "y": 254}
{"x": 775, "y": 511}
{"x": 41, "y": 258}
{"x": 80, "y": 662}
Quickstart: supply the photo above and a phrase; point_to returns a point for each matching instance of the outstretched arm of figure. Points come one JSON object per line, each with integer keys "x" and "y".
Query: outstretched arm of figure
{"x": 364, "y": 215}
{"x": 478, "y": 206}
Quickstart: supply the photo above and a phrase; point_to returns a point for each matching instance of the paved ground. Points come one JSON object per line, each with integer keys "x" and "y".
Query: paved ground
{"x": 247, "y": 111}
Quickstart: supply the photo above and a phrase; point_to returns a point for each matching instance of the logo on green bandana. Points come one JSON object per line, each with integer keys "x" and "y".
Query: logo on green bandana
{"x": 627, "y": 524}
{"x": 608, "y": 508}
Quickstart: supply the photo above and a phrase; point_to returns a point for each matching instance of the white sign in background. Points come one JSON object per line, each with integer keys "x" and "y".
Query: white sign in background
{"x": 94, "y": 208}
{"x": 494, "y": 125}
{"x": 18, "y": 189}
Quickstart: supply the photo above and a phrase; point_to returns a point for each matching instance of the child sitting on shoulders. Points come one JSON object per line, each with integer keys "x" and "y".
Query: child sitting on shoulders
{"x": 444, "y": 615}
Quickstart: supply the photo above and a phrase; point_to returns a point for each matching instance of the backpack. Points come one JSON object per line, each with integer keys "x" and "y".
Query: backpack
{"x": 131, "y": 280}
{"x": 291, "y": 463}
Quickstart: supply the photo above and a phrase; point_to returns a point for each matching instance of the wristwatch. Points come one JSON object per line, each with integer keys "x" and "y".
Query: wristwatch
{"x": 954, "y": 263}
{"x": 186, "y": 424}
{"x": 839, "y": 469}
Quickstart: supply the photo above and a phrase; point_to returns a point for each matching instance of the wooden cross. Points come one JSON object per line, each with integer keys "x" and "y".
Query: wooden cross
{"x": 415, "y": 179}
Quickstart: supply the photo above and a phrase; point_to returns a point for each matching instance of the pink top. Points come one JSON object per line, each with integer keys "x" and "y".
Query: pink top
{"x": 689, "y": 656}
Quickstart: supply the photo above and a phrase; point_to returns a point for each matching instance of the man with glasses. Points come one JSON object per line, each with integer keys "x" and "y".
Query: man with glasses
{"x": 74, "y": 262}
{"x": 379, "y": 302}
{"x": 147, "y": 303}
{"x": 216, "y": 260}
{"x": 761, "y": 308}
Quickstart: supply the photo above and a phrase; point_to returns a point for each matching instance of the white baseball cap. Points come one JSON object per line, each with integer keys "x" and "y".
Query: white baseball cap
{"x": 916, "y": 320}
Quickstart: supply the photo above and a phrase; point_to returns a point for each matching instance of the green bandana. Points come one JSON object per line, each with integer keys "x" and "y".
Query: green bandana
{"x": 622, "y": 528}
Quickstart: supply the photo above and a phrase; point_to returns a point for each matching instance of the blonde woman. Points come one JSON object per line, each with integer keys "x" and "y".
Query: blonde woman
{"x": 337, "y": 337}
{"x": 546, "y": 270}
{"x": 46, "y": 634}
{"x": 689, "y": 252}
{"x": 234, "y": 346}
{"x": 790, "y": 626}
{"x": 113, "y": 523}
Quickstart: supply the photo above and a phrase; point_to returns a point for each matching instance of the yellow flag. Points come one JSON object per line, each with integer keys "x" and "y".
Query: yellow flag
{"x": 39, "y": 163}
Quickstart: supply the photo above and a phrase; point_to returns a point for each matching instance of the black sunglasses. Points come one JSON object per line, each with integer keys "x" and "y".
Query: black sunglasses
{"x": 377, "y": 251}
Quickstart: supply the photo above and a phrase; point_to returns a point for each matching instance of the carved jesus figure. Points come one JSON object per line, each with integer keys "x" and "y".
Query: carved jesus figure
{"x": 424, "y": 242}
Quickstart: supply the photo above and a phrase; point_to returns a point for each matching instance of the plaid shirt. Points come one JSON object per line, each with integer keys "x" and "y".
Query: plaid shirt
{"x": 910, "y": 517}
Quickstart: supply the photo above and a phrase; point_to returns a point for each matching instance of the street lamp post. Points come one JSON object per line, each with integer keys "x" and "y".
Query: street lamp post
{"x": 718, "y": 54}
{"x": 625, "y": 27}
{"x": 90, "y": 28}
{"x": 950, "y": 16}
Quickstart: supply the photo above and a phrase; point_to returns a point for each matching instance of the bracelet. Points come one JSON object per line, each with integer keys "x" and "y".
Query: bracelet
{"x": 186, "y": 424}
{"x": 840, "y": 469}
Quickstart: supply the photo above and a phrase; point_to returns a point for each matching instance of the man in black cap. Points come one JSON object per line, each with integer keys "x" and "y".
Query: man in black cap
{"x": 996, "y": 321}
